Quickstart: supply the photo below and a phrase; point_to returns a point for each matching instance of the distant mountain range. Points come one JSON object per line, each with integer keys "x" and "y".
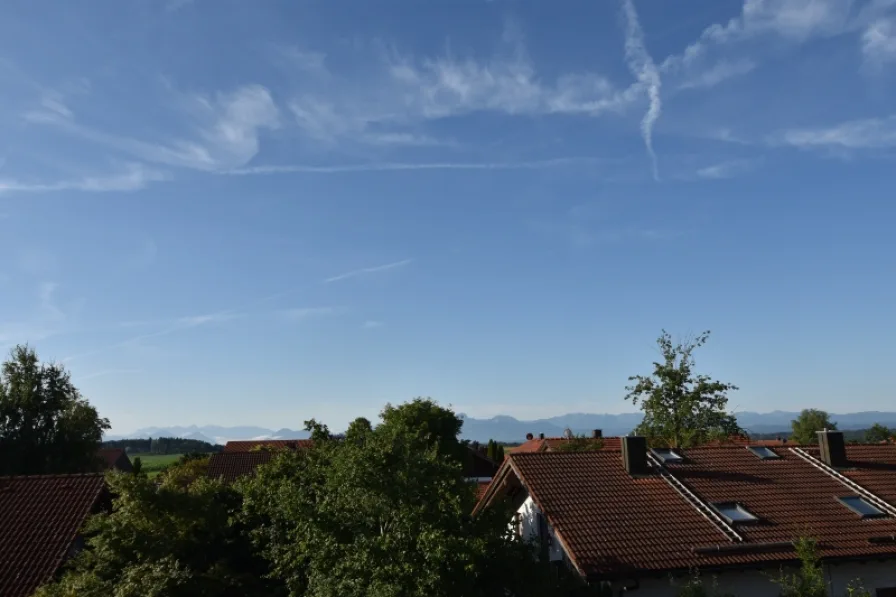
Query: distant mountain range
{"x": 509, "y": 429}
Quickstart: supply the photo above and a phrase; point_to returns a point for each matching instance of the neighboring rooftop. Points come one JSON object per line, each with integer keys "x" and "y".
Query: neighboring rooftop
{"x": 40, "y": 517}
{"x": 260, "y": 444}
{"x": 614, "y": 524}
{"x": 115, "y": 459}
{"x": 230, "y": 466}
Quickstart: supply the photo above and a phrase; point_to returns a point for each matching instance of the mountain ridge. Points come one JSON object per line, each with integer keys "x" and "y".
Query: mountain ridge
{"x": 506, "y": 428}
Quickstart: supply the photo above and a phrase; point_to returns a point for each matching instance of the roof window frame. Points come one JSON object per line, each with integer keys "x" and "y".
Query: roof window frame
{"x": 845, "y": 499}
{"x": 720, "y": 508}
{"x": 754, "y": 450}
{"x": 663, "y": 455}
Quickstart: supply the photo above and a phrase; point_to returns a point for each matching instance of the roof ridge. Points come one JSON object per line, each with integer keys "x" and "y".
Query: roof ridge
{"x": 52, "y": 476}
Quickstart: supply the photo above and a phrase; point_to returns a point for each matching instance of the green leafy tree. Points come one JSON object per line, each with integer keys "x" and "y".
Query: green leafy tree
{"x": 695, "y": 586}
{"x": 581, "y": 443}
{"x": 809, "y": 580}
{"x": 878, "y": 433}
{"x": 681, "y": 408}
{"x": 492, "y": 450}
{"x": 137, "y": 466}
{"x": 386, "y": 513}
{"x": 806, "y": 426}
{"x": 499, "y": 454}
{"x": 171, "y": 541}
{"x": 46, "y": 426}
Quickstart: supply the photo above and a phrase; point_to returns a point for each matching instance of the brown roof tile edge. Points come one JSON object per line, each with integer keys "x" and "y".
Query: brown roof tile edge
{"x": 498, "y": 481}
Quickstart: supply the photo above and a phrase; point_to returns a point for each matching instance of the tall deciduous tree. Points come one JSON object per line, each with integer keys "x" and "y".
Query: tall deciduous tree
{"x": 46, "y": 426}
{"x": 386, "y": 513}
{"x": 173, "y": 540}
{"x": 681, "y": 408}
{"x": 806, "y": 426}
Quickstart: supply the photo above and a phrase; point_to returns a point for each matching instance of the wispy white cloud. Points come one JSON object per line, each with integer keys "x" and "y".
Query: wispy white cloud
{"x": 643, "y": 68}
{"x": 727, "y": 169}
{"x": 304, "y": 60}
{"x": 879, "y": 42}
{"x": 46, "y": 294}
{"x": 105, "y": 372}
{"x": 228, "y": 128}
{"x": 398, "y": 166}
{"x": 788, "y": 21}
{"x": 398, "y": 93}
{"x": 133, "y": 178}
{"x": 368, "y": 270}
{"x": 305, "y": 313}
{"x": 208, "y": 318}
{"x": 371, "y": 324}
{"x": 872, "y": 133}
{"x": 719, "y": 72}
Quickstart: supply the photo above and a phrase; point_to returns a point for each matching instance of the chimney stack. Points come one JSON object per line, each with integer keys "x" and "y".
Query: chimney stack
{"x": 634, "y": 455}
{"x": 832, "y": 448}
{"x": 597, "y": 434}
{"x": 541, "y": 436}
{"x": 529, "y": 436}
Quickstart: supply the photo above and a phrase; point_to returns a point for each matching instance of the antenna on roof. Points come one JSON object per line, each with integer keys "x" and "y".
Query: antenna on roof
{"x": 567, "y": 433}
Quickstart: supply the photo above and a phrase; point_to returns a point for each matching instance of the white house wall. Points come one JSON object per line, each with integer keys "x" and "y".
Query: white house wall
{"x": 528, "y": 519}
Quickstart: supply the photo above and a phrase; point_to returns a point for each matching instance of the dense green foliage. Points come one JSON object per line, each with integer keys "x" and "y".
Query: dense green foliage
{"x": 163, "y": 445}
{"x": 175, "y": 540}
{"x": 581, "y": 443}
{"x": 809, "y": 579}
{"x": 681, "y": 408}
{"x": 494, "y": 451}
{"x": 879, "y": 433}
{"x": 805, "y": 428}
{"x": 45, "y": 424}
{"x": 386, "y": 513}
{"x": 695, "y": 586}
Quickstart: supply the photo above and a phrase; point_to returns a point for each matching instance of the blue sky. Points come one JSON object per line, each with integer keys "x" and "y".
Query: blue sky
{"x": 239, "y": 212}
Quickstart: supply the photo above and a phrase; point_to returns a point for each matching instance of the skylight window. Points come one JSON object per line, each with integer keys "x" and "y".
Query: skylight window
{"x": 862, "y": 507}
{"x": 734, "y": 513}
{"x": 667, "y": 454}
{"x": 763, "y": 453}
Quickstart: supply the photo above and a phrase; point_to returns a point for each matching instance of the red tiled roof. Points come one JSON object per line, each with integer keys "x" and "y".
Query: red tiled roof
{"x": 611, "y": 523}
{"x": 39, "y": 519}
{"x": 481, "y": 488}
{"x": 115, "y": 458}
{"x": 255, "y": 444}
{"x": 873, "y": 466}
{"x": 555, "y": 443}
{"x": 229, "y": 466}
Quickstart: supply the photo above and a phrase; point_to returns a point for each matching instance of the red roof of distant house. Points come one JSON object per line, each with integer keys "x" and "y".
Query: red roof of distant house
{"x": 549, "y": 444}
{"x": 612, "y": 524}
{"x": 256, "y": 444}
{"x": 230, "y": 466}
{"x": 40, "y": 517}
{"x": 115, "y": 458}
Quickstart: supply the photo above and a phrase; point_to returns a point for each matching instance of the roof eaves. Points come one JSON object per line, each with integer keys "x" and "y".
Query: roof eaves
{"x": 569, "y": 553}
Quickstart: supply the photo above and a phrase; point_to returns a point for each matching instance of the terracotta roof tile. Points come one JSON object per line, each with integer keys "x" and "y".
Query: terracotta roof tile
{"x": 554, "y": 443}
{"x": 254, "y": 444}
{"x": 613, "y": 524}
{"x": 791, "y": 498}
{"x": 873, "y": 466}
{"x": 230, "y": 466}
{"x": 115, "y": 458}
{"x": 39, "y": 520}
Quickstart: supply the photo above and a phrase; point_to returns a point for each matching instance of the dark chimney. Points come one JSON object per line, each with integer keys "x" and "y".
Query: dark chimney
{"x": 541, "y": 436}
{"x": 597, "y": 434}
{"x": 634, "y": 455}
{"x": 529, "y": 436}
{"x": 832, "y": 448}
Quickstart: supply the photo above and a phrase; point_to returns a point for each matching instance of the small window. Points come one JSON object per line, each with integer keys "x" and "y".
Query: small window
{"x": 667, "y": 454}
{"x": 862, "y": 507}
{"x": 763, "y": 453}
{"x": 734, "y": 512}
